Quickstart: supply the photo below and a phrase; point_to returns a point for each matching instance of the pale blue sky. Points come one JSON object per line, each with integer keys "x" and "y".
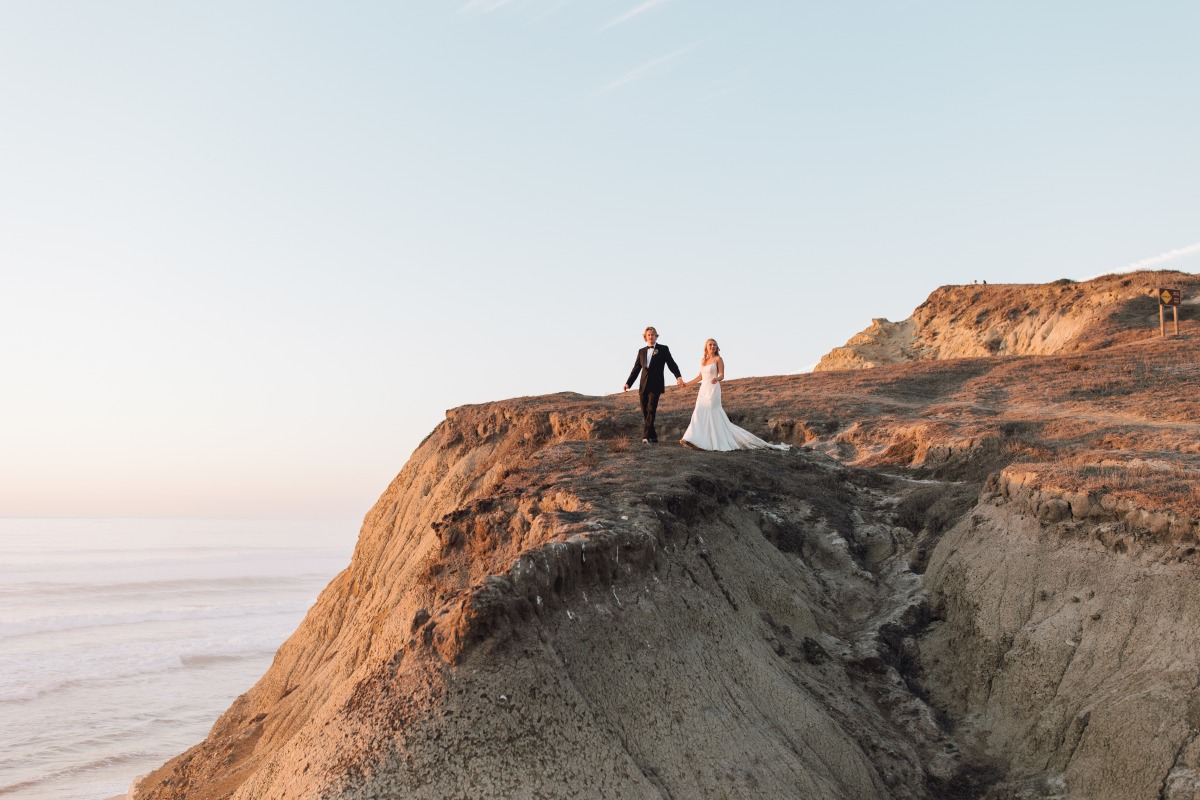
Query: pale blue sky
{"x": 252, "y": 252}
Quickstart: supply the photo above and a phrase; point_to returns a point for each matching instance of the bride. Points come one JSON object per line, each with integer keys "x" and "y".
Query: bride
{"x": 710, "y": 428}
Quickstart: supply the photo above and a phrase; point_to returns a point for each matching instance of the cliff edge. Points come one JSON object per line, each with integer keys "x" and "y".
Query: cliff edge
{"x": 969, "y": 578}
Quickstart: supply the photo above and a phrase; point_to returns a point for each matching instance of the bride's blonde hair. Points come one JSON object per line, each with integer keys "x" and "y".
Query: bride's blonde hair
{"x": 716, "y": 350}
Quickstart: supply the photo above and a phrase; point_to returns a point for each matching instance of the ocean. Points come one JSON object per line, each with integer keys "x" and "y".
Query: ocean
{"x": 123, "y": 640}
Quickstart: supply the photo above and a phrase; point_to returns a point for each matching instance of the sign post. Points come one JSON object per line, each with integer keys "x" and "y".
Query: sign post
{"x": 1172, "y": 298}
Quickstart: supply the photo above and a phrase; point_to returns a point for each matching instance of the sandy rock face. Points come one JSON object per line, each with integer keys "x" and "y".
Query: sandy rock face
{"x": 532, "y": 612}
{"x": 981, "y": 320}
{"x": 882, "y": 343}
{"x": 1079, "y": 666}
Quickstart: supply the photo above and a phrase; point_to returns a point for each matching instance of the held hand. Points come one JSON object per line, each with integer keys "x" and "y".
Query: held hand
{"x": 679, "y": 382}
{"x": 626, "y": 389}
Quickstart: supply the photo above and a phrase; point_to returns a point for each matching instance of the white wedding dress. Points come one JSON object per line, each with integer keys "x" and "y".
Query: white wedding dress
{"x": 710, "y": 428}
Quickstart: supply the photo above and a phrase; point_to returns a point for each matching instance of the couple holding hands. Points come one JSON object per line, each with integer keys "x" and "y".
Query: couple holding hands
{"x": 710, "y": 428}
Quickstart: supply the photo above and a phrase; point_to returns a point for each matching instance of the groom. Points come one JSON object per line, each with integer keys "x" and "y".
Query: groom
{"x": 650, "y": 362}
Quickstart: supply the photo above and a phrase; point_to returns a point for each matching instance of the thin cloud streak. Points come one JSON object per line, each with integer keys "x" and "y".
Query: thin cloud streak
{"x": 643, "y": 70}
{"x": 1170, "y": 255}
{"x": 549, "y": 11}
{"x": 482, "y": 6}
{"x": 633, "y": 12}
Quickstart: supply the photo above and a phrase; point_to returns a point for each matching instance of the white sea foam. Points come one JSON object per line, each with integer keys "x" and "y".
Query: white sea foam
{"x": 73, "y": 771}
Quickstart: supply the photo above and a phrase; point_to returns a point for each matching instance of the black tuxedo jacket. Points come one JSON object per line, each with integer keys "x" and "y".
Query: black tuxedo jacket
{"x": 650, "y": 379}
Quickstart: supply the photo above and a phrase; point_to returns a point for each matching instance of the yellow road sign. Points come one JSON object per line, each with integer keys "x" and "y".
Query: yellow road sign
{"x": 1170, "y": 297}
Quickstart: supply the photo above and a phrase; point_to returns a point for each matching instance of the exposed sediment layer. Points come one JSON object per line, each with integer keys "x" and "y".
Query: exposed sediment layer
{"x": 1078, "y": 668}
{"x": 1119, "y": 524}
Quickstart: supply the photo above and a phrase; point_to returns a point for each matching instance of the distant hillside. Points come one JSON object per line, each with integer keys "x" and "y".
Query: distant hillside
{"x": 1018, "y": 319}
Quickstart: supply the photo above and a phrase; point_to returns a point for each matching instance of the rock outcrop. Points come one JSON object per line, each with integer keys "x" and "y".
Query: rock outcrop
{"x": 969, "y": 578}
{"x": 981, "y": 320}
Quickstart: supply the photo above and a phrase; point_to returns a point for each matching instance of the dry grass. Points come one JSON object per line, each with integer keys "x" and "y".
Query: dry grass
{"x": 1155, "y": 484}
{"x": 1125, "y": 420}
{"x": 962, "y": 419}
{"x": 588, "y": 457}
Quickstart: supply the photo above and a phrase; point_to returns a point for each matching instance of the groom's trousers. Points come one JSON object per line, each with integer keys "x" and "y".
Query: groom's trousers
{"x": 649, "y": 409}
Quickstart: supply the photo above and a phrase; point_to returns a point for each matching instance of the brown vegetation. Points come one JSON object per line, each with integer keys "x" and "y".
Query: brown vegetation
{"x": 1121, "y": 408}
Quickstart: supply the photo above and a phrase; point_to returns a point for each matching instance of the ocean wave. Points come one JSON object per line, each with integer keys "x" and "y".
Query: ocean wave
{"x": 60, "y": 624}
{"x": 148, "y": 665}
{"x": 173, "y": 585}
{"x": 77, "y": 769}
{"x": 98, "y": 562}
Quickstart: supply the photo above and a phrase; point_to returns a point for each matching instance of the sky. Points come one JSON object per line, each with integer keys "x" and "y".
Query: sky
{"x": 251, "y": 252}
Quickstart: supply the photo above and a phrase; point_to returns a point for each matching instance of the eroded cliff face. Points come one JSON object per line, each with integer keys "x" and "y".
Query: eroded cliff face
{"x": 969, "y": 578}
{"x": 1077, "y": 661}
{"x": 1062, "y": 639}
{"x": 981, "y": 320}
{"x": 538, "y": 607}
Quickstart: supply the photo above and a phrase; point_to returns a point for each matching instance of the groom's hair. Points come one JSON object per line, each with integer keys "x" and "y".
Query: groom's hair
{"x": 648, "y": 329}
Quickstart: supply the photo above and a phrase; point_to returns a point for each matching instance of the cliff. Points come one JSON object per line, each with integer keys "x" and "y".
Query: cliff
{"x": 537, "y": 607}
{"x": 969, "y": 578}
{"x": 1016, "y": 319}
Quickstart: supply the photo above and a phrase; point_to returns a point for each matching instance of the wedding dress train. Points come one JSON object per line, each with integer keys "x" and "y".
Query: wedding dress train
{"x": 710, "y": 428}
